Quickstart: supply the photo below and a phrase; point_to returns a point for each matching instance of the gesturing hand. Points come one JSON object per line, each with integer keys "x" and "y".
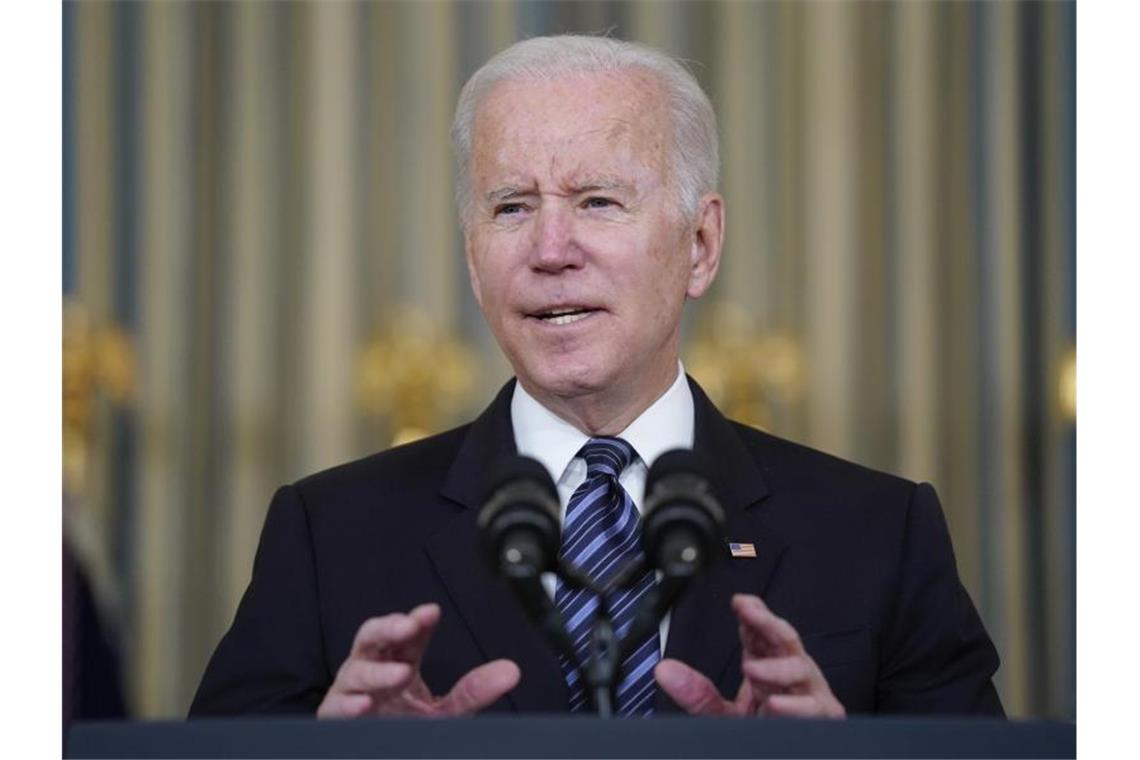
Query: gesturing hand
{"x": 382, "y": 673}
{"x": 779, "y": 677}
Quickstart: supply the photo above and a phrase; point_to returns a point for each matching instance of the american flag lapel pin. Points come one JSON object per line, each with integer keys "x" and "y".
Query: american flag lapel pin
{"x": 742, "y": 550}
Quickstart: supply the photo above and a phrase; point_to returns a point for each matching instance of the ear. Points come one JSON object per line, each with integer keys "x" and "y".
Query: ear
{"x": 472, "y": 271}
{"x": 705, "y": 245}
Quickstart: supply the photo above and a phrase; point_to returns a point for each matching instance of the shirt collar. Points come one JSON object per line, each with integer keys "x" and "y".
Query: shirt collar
{"x": 540, "y": 433}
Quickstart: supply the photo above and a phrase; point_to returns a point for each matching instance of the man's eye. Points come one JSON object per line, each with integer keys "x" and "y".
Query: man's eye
{"x": 596, "y": 202}
{"x": 508, "y": 208}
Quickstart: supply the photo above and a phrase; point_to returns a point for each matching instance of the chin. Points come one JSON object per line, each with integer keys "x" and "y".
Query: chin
{"x": 567, "y": 381}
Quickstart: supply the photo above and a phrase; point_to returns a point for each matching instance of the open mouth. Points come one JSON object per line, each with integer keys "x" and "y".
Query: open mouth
{"x": 564, "y": 316}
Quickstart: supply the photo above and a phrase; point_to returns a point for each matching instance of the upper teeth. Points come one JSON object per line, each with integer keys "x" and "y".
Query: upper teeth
{"x": 565, "y": 316}
{"x": 565, "y": 319}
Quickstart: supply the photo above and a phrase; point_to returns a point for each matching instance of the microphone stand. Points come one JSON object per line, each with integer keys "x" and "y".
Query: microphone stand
{"x": 682, "y": 560}
{"x": 603, "y": 657}
{"x": 606, "y": 653}
{"x": 518, "y": 566}
{"x": 605, "y": 664}
{"x": 526, "y": 584}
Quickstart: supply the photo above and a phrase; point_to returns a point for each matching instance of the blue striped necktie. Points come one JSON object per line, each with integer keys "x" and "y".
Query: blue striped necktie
{"x": 600, "y": 535}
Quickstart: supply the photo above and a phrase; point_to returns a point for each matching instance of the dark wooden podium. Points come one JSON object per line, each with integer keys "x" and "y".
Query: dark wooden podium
{"x": 565, "y": 736}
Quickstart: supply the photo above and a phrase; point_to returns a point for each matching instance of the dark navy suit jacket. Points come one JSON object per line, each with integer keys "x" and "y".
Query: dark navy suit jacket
{"x": 858, "y": 561}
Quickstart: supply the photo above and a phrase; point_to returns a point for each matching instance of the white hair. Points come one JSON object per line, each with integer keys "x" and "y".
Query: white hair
{"x": 694, "y": 159}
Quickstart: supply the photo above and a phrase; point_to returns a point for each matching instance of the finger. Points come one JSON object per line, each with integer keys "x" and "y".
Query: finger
{"x": 690, "y": 689}
{"x": 364, "y": 676}
{"x": 337, "y": 705}
{"x": 426, "y": 618}
{"x": 480, "y": 688}
{"x": 747, "y": 699}
{"x": 762, "y": 632}
{"x": 802, "y": 706}
{"x": 754, "y": 692}
{"x": 776, "y": 673}
{"x": 391, "y": 636}
{"x": 774, "y": 632}
{"x": 380, "y": 633}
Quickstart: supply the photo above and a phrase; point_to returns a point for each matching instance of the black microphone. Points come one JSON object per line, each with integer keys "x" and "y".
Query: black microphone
{"x": 682, "y": 522}
{"x": 521, "y": 536}
{"x": 518, "y": 525}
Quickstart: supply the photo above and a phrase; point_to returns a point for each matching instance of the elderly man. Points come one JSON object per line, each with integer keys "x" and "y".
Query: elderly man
{"x": 587, "y": 194}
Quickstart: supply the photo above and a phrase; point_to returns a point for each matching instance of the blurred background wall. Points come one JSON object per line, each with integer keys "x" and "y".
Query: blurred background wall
{"x": 262, "y": 276}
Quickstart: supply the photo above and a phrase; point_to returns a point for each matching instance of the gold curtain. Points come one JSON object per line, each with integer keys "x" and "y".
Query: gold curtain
{"x": 259, "y": 195}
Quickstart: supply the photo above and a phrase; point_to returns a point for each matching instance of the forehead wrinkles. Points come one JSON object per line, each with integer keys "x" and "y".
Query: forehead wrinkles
{"x": 623, "y": 113}
{"x": 609, "y": 151}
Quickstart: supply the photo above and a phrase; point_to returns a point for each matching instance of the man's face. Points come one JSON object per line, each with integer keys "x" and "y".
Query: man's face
{"x": 578, "y": 255}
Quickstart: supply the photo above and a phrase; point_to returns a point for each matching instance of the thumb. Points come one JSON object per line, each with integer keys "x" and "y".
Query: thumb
{"x": 480, "y": 687}
{"x": 690, "y": 689}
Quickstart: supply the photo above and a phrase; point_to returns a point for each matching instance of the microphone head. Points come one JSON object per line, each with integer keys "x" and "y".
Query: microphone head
{"x": 683, "y": 521}
{"x": 519, "y": 519}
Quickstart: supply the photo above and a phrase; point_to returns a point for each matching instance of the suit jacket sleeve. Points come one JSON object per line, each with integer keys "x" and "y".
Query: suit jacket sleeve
{"x": 272, "y": 658}
{"x": 937, "y": 655}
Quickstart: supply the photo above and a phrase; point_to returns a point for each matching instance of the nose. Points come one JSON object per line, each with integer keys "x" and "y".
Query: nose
{"x": 554, "y": 247}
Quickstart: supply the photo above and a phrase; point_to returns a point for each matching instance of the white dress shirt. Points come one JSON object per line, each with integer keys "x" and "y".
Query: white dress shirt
{"x": 541, "y": 434}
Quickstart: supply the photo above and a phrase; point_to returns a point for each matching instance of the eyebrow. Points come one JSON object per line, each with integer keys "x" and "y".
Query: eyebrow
{"x": 506, "y": 193}
{"x": 594, "y": 185}
{"x": 509, "y": 192}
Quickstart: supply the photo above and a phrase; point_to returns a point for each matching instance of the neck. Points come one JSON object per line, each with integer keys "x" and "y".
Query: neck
{"x": 609, "y": 411}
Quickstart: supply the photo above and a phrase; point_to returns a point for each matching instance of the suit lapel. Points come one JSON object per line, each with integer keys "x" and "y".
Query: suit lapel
{"x": 703, "y": 630}
{"x": 486, "y": 605}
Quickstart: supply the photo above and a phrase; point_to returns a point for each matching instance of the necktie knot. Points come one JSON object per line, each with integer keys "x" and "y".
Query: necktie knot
{"x": 606, "y": 456}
